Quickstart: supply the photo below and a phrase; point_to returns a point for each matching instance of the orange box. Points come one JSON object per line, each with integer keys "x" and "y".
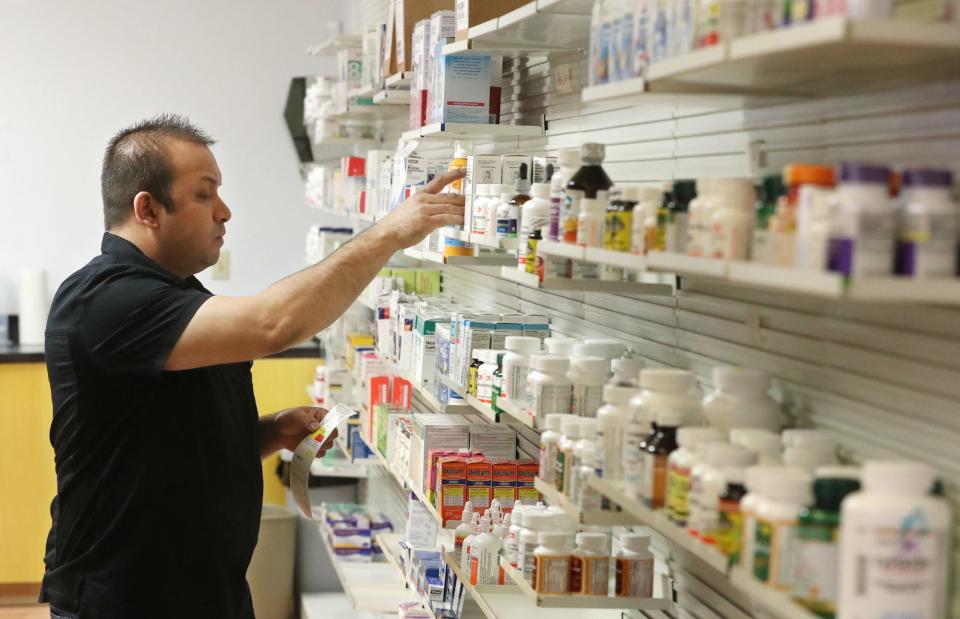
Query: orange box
{"x": 433, "y": 470}
{"x": 527, "y": 471}
{"x": 504, "y": 482}
{"x": 451, "y": 487}
{"x": 479, "y": 488}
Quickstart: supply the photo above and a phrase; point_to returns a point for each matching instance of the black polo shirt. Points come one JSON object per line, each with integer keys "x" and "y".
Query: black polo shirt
{"x": 159, "y": 483}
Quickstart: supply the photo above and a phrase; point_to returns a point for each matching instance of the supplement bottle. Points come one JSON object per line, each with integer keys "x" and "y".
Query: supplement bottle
{"x": 698, "y": 232}
{"x": 459, "y": 162}
{"x": 533, "y": 261}
{"x": 731, "y": 222}
{"x": 586, "y": 497}
{"x": 552, "y": 562}
{"x": 485, "y": 559}
{"x": 588, "y": 376}
{"x": 618, "y": 228}
{"x": 756, "y": 480}
{"x": 927, "y": 225}
{"x": 634, "y": 576}
{"x": 468, "y": 541}
{"x": 504, "y": 194}
{"x": 808, "y": 449}
{"x": 656, "y": 222}
{"x": 816, "y": 561}
{"x": 657, "y": 453}
{"x": 679, "y": 466}
{"x": 590, "y": 222}
{"x": 533, "y": 216}
{"x": 675, "y": 236}
{"x": 769, "y": 192}
{"x": 707, "y": 483}
{"x": 764, "y": 443}
{"x": 895, "y": 545}
{"x": 511, "y": 539}
{"x": 612, "y": 424}
{"x": 802, "y": 229}
{"x": 741, "y": 400}
{"x": 508, "y": 213}
{"x": 497, "y": 380}
{"x": 590, "y": 565}
{"x": 729, "y": 525}
{"x": 549, "y": 441}
{"x": 563, "y": 465}
{"x": 480, "y": 203}
{"x": 862, "y": 223}
{"x": 516, "y": 366}
{"x": 485, "y": 375}
{"x": 548, "y": 388}
{"x": 463, "y": 529}
{"x": 789, "y": 491}
{"x": 588, "y": 182}
{"x": 569, "y": 160}
{"x": 647, "y": 199}
{"x": 533, "y": 523}
{"x": 585, "y": 443}
{"x": 626, "y": 372}
{"x": 473, "y": 372}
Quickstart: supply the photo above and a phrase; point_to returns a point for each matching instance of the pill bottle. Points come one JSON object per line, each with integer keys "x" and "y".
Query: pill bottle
{"x": 485, "y": 559}
{"x": 707, "y": 483}
{"x": 586, "y": 443}
{"x": 612, "y": 348}
{"x": 569, "y": 160}
{"x": 816, "y": 561}
{"x": 675, "y": 234}
{"x": 560, "y": 346}
{"x": 502, "y": 196}
{"x": 862, "y": 223}
{"x": 533, "y": 215}
{"x": 498, "y": 380}
{"x": 471, "y": 534}
{"x": 789, "y": 491}
{"x": 626, "y": 372}
{"x": 588, "y": 375}
{"x": 612, "y": 419}
{"x": 770, "y": 191}
{"x": 764, "y": 443}
{"x": 731, "y": 221}
{"x": 679, "y": 465}
{"x": 618, "y": 229}
{"x": 480, "y": 209}
{"x": 657, "y": 453}
{"x": 516, "y": 366}
{"x": 485, "y": 372}
{"x": 549, "y": 446}
{"x": 463, "y": 529}
{"x": 927, "y": 225}
{"x": 511, "y": 540}
{"x": 590, "y": 565}
{"x": 591, "y": 222}
{"x": 552, "y": 562}
{"x": 548, "y": 388}
{"x": 459, "y": 162}
{"x": 587, "y": 497}
{"x": 808, "y": 449}
{"x": 729, "y": 523}
{"x": 569, "y": 435}
{"x": 588, "y": 182}
{"x": 698, "y": 228}
{"x": 805, "y": 215}
{"x": 741, "y": 400}
{"x": 634, "y": 577}
{"x": 474, "y": 370}
{"x": 533, "y": 524}
{"x": 645, "y": 198}
{"x": 902, "y": 534}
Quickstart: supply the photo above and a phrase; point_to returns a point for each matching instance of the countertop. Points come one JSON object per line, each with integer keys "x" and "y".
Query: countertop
{"x": 33, "y": 353}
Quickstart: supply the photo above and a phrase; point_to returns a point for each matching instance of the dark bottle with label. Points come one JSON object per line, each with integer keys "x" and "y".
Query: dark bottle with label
{"x": 656, "y": 454}
{"x": 675, "y": 239}
{"x": 587, "y": 182}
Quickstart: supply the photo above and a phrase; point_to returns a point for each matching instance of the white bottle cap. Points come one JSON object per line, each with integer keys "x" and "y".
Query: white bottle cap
{"x": 468, "y": 507}
{"x": 735, "y": 193}
{"x": 719, "y": 455}
{"x": 522, "y": 344}
{"x": 741, "y": 380}
{"x": 553, "y": 539}
{"x": 561, "y": 346}
{"x": 806, "y": 437}
{"x": 905, "y": 477}
{"x": 588, "y": 428}
{"x": 541, "y": 190}
{"x": 594, "y": 542}
{"x": 570, "y": 427}
{"x": 553, "y": 421}
{"x": 758, "y": 478}
{"x": 551, "y": 364}
{"x": 614, "y": 394}
{"x": 635, "y": 542}
{"x": 667, "y": 379}
{"x": 791, "y": 485}
{"x": 632, "y": 193}
{"x": 756, "y": 439}
{"x": 733, "y": 474}
{"x": 516, "y": 516}
{"x": 668, "y": 417}
{"x": 595, "y": 366}
{"x": 590, "y": 349}
{"x": 502, "y": 189}
{"x": 537, "y": 521}
{"x": 615, "y": 348}
{"x": 569, "y": 157}
{"x": 627, "y": 368}
{"x": 688, "y": 437}
{"x": 838, "y": 472}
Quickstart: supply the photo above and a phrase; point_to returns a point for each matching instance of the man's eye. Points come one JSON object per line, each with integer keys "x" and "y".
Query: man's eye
{"x": 203, "y": 196}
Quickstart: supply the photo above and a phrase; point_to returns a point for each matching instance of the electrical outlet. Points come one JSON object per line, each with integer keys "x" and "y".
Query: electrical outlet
{"x": 221, "y": 270}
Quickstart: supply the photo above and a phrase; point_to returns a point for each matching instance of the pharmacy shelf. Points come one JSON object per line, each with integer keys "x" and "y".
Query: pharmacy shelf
{"x": 334, "y": 44}
{"x": 485, "y": 410}
{"x": 788, "y": 279}
{"x": 399, "y": 81}
{"x": 901, "y": 289}
{"x": 374, "y": 587}
{"x": 584, "y": 285}
{"x": 390, "y": 545}
{"x": 404, "y": 483}
{"x": 768, "y": 602}
{"x": 362, "y": 92}
{"x": 537, "y": 27}
{"x": 366, "y": 111}
{"x": 829, "y": 56}
{"x": 620, "y": 259}
{"x": 479, "y": 260}
{"x": 563, "y": 250}
{"x": 516, "y": 411}
{"x": 346, "y": 144}
{"x": 472, "y": 132}
{"x": 686, "y": 265}
{"x": 388, "y": 97}
{"x": 594, "y": 517}
{"x": 543, "y": 600}
{"x": 504, "y": 244}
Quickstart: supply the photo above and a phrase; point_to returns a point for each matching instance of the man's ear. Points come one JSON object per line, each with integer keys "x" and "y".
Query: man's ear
{"x": 145, "y": 209}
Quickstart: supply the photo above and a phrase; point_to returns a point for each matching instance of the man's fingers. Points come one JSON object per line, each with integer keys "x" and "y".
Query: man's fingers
{"x": 443, "y": 198}
{"x": 447, "y": 220}
{"x": 318, "y": 413}
{"x": 442, "y": 180}
{"x": 444, "y": 209}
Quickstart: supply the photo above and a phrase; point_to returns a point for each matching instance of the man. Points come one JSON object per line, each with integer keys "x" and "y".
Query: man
{"x": 155, "y": 427}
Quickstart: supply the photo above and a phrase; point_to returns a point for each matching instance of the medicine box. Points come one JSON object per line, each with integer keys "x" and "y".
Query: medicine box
{"x": 481, "y": 170}
{"x": 504, "y": 482}
{"x": 451, "y": 487}
{"x": 511, "y": 168}
{"x": 463, "y": 89}
{"x": 479, "y": 484}
{"x": 526, "y": 489}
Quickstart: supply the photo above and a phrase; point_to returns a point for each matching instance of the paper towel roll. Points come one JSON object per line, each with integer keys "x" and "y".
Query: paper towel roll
{"x": 33, "y": 306}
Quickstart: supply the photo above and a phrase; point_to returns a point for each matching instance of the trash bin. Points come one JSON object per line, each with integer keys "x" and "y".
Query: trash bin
{"x": 270, "y": 574}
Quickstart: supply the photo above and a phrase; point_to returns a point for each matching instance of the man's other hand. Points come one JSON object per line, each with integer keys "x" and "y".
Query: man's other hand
{"x": 425, "y": 211}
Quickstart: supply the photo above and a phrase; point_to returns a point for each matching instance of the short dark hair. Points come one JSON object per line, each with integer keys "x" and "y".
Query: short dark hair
{"x": 137, "y": 160}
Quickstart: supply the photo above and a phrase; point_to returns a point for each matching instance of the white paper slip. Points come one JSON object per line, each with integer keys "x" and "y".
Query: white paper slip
{"x": 308, "y": 449}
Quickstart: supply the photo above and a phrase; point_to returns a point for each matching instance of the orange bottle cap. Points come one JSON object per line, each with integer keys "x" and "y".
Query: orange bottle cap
{"x": 808, "y": 174}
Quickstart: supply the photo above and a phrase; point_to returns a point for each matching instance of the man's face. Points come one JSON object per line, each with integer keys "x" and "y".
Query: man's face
{"x": 192, "y": 234}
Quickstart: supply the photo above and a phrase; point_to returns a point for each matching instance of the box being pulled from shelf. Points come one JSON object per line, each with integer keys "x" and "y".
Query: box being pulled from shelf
{"x": 460, "y": 92}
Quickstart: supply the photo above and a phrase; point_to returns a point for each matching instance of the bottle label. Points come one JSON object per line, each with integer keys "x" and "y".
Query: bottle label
{"x": 590, "y": 231}
{"x": 815, "y": 573}
{"x": 548, "y": 455}
{"x": 569, "y": 213}
{"x": 773, "y": 543}
{"x": 552, "y": 574}
{"x": 560, "y": 468}
{"x": 926, "y": 246}
{"x": 586, "y": 400}
{"x": 612, "y": 462}
{"x": 894, "y": 570}
{"x": 506, "y": 227}
{"x": 728, "y": 530}
{"x": 549, "y": 399}
{"x": 458, "y": 542}
{"x": 865, "y": 252}
{"x": 514, "y": 377}
{"x": 616, "y": 233}
{"x": 531, "y": 261}
{"x": 589, "y": 575}
{"x": 527, "y": 560}
{"x": 634, "y": 577}
{"x": 633, "y": 459}
{"x": 678, "y": 494}
{"x": 655, "y": 480}
{"x": 555, "y": 202}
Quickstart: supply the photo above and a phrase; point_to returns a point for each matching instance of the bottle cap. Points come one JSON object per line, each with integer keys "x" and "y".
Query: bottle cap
{"x": 597, "y": 366}
{"x": 538, "y": 521}
{"x": 757, "y": 478}
{"x": 522, "y": 344}
{"x": 832, "y": 484}
{"x": 592, "y": 153}
{"x": 684, "y": 191}
{"x": 615, "y": 348}
{"x": 614, "y": 394}
{"x": 588, "y": 428}
{"x": 688, "y": 437}
{"x": 569, "y": 157}
{"x": 502, "y": 189}
{"x": 595, "y": 542}
{"x": 668, "y": 417}
{"x": 791, "y": 485}
{"x": 719, "y": 455}
{"x": 864, "y": 173}
{"x": 627, "y": 368}
{"x": 735, "y": 193}
{"x": 590, "y": 349}
{"x": 483, "y": 190}
{"x": 838, "y": 472}
{"x": 570, "y": 427}
{"x": 553, "y": 539}
{"x": 553, "y": 421}
{"x": 522, "y": 185}
{"x": 809, "y": 174}
{"x": 747, "y": 381}
{"x": 927, "y": 177}
{"x": 560, "y": 345}
{"x": 756, "y": 440}
{"x": 550, "y": 364}
{"x": 808, "y": 439}
{"x": 734, "y": 475}
{"x": 904, "y": 477}
{"x": 667, "y": 379}
{"x": 635, "y": 542}
{"x": 541, "y": 190}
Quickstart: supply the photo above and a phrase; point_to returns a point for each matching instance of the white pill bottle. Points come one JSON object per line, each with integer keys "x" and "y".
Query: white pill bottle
{"x": 895, "y": 541}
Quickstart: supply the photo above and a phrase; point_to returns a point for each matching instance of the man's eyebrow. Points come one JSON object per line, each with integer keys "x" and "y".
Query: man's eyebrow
{"x": 211, "y": 179}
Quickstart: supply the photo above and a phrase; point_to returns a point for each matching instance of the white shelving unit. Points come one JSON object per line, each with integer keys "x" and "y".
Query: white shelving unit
{"x": 539, "y": 27}
{"x": 597, "y": 517}
{"x": 482, "y": 259}
{"x": 584, "y": 285}
{"x": 516, "y": 411}
{"x": 472, "y": 132}
{"x": 398, "y": 81}
{"x": 334, "y": 44}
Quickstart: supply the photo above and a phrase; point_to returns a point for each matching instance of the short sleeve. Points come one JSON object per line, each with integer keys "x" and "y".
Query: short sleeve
{"x": 132, "y": 322}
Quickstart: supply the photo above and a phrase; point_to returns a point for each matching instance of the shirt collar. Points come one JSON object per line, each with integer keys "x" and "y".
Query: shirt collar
{"x": 114, "y": 245}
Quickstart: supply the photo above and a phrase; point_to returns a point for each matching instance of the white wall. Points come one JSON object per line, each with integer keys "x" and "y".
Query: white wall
{"x": 73, "y": 72}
